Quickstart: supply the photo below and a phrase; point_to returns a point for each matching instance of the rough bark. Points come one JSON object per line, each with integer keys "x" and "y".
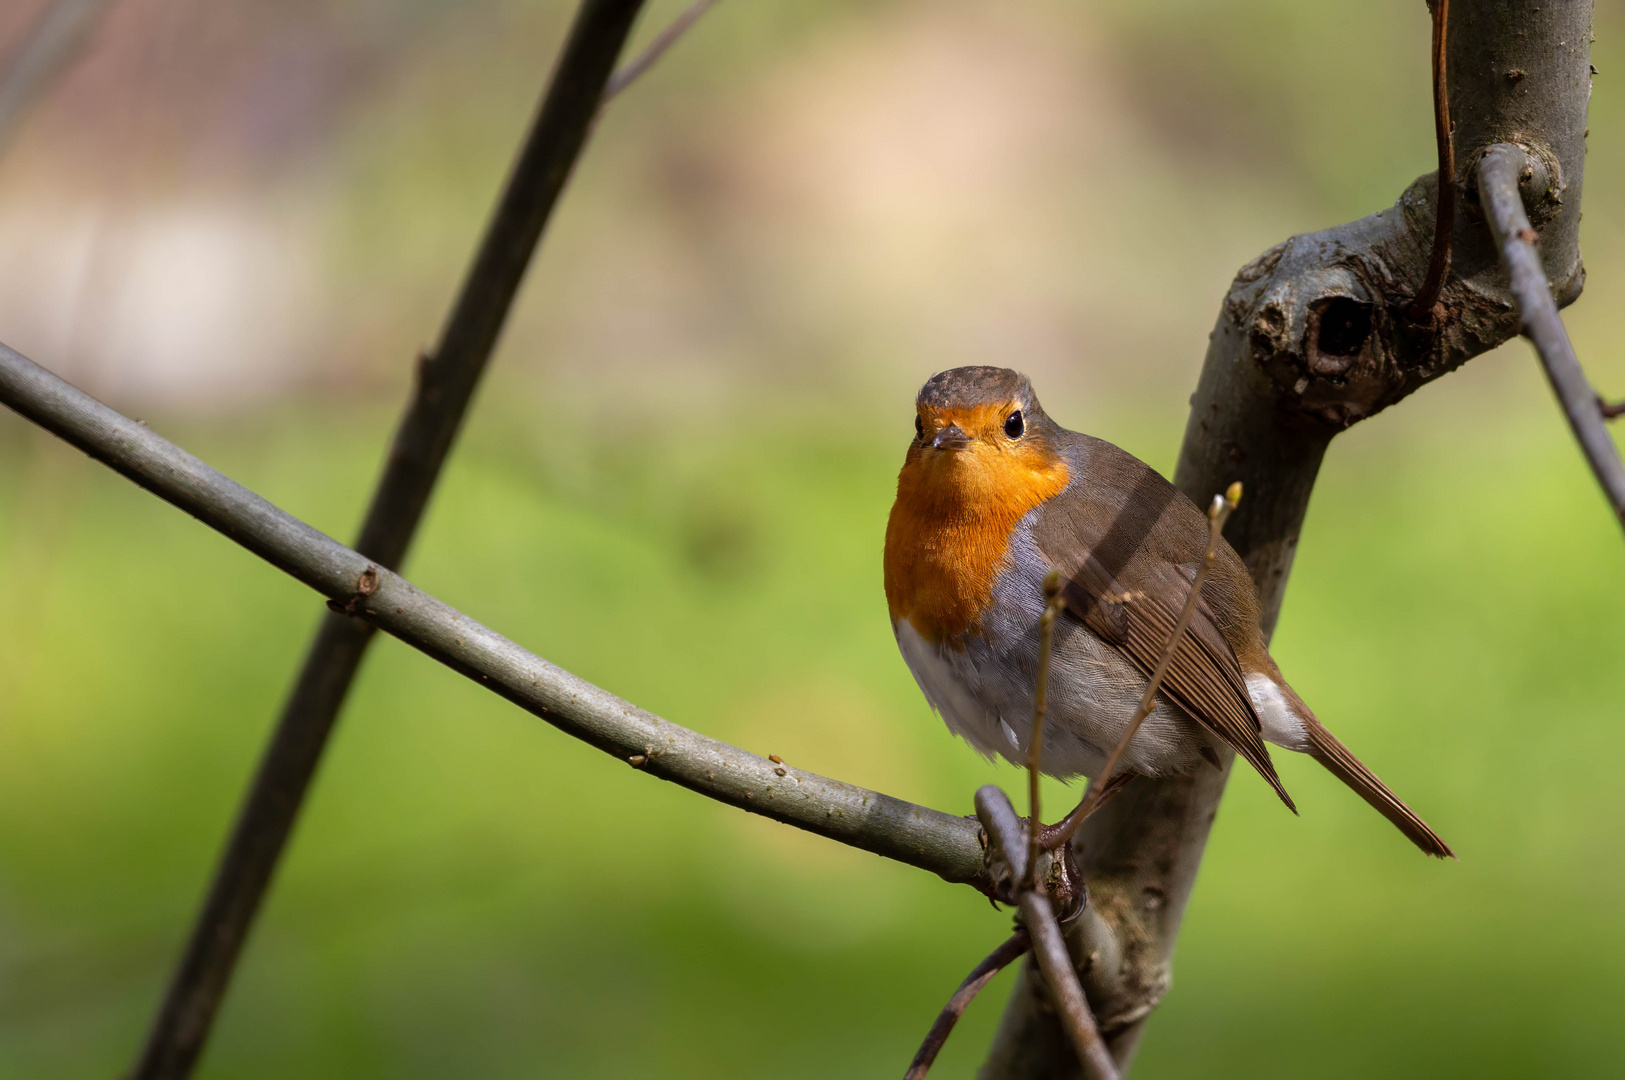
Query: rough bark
{"x": 1311, "y": 338}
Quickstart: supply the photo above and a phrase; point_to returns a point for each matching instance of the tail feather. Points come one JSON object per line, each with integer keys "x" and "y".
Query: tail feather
{"x": 1325, "y": 748}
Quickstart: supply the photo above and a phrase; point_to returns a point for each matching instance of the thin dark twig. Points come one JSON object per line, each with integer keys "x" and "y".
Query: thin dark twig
{"x": 446, "y": 382}
{"x": 1066, "y": 992}
{"x": 980, "y": 976}
{"x": 1007, "y": 838}
{"x": 1498, "y": 179}
{"x": 1610, "y": 411}
{"x": 1053, "y": 603}
{"x": 1444, "y": 220}
{"x": 657, "y": 48}
{"x": 945, "y": 844}
{"x": 1217, "y": 514}
{"x": 44, "y": 51}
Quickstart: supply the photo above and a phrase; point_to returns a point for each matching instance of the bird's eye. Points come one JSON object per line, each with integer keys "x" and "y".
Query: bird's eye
{"x": 919, "y": 428}
{"x": 1013, "y": 425}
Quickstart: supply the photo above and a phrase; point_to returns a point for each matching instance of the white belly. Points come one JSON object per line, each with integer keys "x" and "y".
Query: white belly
{"x": 986, "y": 697}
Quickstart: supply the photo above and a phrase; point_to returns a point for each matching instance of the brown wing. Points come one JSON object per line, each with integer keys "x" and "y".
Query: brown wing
{"x": 1203, "y": 678}
{"x": 1122, "y": 534}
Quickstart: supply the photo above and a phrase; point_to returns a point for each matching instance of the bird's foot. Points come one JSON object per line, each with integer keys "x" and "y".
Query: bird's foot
{"x": 1056, "y": 875}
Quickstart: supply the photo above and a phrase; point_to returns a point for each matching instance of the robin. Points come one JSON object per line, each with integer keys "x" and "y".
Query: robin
{"x": 993, "y": 495}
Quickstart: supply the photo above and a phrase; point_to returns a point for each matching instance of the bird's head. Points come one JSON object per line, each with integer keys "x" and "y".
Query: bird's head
{"x": 983, "y": 456}
{"x": 978, "y": 430}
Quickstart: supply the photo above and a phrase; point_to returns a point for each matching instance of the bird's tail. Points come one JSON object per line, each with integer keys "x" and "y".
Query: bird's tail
{"x": 1325, "y": 748}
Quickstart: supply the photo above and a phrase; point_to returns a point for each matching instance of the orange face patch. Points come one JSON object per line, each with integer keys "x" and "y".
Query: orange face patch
{"x": 949, "y": 530}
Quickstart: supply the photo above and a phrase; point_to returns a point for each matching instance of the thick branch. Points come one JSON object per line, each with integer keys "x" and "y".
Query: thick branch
{"x": 1499, "y": 175}
{"x": 445, "y": 385}
{"x": 942, "y": 843}
{"x": 1312, "y": 338}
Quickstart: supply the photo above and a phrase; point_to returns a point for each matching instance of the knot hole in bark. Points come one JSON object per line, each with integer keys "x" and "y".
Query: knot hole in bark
{"x": 1338, "y": 329}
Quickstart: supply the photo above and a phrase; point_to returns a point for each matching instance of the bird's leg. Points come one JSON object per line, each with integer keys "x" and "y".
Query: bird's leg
{"x": 1051, "y": 837}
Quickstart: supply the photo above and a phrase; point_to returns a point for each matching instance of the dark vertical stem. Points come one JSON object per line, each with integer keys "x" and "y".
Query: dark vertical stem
{"x": 1444, "y": 204}
{"x": 980, "y": 976}
{"x": 445, "y": 384}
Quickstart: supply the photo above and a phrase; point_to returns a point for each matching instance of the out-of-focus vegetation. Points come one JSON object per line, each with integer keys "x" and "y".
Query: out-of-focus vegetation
{"x": 240, "y": 222}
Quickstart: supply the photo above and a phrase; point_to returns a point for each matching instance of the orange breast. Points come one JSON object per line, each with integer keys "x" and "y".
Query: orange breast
{"x": 949, "y": 533}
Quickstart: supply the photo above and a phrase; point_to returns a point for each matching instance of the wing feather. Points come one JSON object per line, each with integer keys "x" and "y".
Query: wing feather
{"x": 1204, "y": 678}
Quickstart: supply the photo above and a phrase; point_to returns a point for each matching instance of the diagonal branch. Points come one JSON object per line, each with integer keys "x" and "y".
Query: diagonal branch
{"x": 1499, "y": 176}
{"x": 446, "y": 381}
{"x": 946, "y": 845}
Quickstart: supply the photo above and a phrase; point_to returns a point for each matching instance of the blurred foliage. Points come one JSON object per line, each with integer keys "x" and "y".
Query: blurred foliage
{"x": 675, "y": 485}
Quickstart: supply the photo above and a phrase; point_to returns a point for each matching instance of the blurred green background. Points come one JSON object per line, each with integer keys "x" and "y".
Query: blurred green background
{"x": 240, "y": 221}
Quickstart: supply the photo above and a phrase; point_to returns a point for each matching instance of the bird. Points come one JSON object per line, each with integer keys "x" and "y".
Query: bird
{"x": 993, "y": 497}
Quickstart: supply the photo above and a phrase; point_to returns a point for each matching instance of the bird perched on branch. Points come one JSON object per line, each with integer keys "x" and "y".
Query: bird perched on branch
{"x": 992, "y": 496}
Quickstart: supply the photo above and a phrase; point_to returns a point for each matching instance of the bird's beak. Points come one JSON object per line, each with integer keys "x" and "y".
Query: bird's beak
{"x": 950, "y": 438}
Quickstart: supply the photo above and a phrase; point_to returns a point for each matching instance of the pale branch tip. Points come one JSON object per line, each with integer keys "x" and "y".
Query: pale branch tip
{"x": 657, "y": 48}
{"x": 1499, "y": 176}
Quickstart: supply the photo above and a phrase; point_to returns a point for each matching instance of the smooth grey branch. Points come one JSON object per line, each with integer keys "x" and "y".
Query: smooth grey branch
{"x": 946, "y": 845}
{"x": 1501, "y": 173}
